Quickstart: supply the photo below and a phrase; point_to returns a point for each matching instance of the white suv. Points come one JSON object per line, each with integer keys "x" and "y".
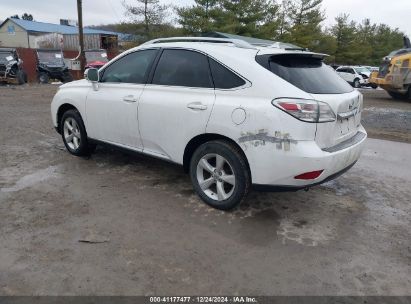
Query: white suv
{"x": 355, "y": 75}
{"x": 232, "y": 114}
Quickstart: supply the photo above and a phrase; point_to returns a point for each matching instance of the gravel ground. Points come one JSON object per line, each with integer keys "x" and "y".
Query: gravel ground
{"x": 116, "y": 224}
{"x": 386, "y": 118}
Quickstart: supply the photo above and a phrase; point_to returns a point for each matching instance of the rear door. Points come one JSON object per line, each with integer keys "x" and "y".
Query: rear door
{"x": 351, "y": 75}
{"x": 345, "y": 74}
{"x": 176, "y": 105}
{"x": 342, "y": 72}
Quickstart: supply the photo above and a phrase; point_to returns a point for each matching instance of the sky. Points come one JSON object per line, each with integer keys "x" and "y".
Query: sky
{"x": 396, "y": 13}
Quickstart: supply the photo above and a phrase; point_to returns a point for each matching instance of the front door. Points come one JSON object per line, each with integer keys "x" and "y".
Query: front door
{"x": 111, "y": 107}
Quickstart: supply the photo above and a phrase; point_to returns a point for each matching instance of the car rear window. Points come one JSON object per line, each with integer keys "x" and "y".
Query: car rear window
{"x": 223, "y": 78}
{"x": 309, "y": 74}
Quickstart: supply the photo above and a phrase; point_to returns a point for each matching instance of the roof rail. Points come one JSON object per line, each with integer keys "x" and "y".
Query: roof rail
{"x": 236, "y": 42}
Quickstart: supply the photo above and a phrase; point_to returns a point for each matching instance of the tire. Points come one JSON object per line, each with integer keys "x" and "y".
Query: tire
{"x": 398, "y": 96}
{"x": 21, "y": 77}
{"x": 74, "y": 133}
{"x": 356, "y": 83}
{"x": 44, "y": 78}
{"x": 223, "y": 188}
{"x": 374, "y": 86}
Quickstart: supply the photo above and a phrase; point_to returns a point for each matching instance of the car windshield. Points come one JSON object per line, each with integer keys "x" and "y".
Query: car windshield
{"x": 6, "y": 57}
{"x": 309, "y": 74}
{"x": 92, "y": 56}
{"x": 50, "y": 58}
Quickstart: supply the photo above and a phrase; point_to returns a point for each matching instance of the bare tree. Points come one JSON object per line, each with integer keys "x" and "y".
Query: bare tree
{"x": 150, "y": 12}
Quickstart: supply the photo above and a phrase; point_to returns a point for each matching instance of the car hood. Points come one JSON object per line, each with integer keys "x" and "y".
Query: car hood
{"x": 76, "y": 83}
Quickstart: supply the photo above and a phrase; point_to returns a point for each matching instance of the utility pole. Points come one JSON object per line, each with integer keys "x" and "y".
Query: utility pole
{"x": 80, "y": 34}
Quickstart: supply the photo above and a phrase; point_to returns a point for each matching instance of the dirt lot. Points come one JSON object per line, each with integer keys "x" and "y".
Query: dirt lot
{"x": 386, "y": 118}
{"x": 145, "y": 232}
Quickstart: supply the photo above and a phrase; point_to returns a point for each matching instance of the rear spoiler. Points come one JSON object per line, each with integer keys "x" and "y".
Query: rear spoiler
{"x": 297, "y": 52}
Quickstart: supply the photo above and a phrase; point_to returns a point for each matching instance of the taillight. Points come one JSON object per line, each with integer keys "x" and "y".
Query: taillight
{"x": 305, "y": 109}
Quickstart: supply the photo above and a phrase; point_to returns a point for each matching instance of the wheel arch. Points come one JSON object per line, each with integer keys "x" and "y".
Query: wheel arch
{"x": 197, "y": 141}
{"x": 60, "y": 112}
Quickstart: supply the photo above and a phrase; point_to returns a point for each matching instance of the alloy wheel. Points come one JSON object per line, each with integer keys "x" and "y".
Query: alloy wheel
{"x": 72, "y": 134}
{"x": 216, "y": 177}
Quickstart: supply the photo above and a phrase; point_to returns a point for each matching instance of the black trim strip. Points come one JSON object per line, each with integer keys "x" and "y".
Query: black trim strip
{"x": 347, "y": 143}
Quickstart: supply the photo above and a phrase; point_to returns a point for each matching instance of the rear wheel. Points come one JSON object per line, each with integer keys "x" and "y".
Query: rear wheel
{"x": 374, "y": 86}
{"x": 220, "y": 174}
{"x": 74, "y": 133}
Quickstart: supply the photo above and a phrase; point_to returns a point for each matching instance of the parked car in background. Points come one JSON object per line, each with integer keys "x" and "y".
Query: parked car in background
{"x": 357, "y": 76}
{"x": 11, "y": 67}
{"x": 231, "y": 113}
{"x": 372, "y": 69}
{"x": 50, "y": 65}
{"x": 96, "y": 58}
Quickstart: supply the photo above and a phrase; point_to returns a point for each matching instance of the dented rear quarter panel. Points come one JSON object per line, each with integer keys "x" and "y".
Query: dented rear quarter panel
{"x": 267, "y": 132}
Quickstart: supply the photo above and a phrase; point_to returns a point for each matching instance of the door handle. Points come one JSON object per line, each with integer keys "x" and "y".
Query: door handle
{"x": 197, "y": 106}
{"x": 129, "y": 98}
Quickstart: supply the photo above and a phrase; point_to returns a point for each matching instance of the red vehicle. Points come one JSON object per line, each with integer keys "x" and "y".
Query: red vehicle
{"x": 96, "y": 58}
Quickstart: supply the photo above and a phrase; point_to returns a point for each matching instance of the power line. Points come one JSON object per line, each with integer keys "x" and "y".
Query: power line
{"x": 114, "y": 10}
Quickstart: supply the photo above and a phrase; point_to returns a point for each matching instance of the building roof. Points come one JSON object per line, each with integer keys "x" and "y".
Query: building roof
{"x": 43, "y": 27}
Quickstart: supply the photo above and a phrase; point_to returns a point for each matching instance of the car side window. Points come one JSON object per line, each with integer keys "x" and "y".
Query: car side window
{"x": 183, "y": 68}
{"x": 223, "y": 78}
{"x": 132, "y": 68}
{"x": 351, "y": 71}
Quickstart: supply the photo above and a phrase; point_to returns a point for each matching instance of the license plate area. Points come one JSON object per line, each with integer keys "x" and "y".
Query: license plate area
{"x": 346, "y": 125}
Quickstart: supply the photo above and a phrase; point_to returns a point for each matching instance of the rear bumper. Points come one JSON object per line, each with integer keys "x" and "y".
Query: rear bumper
{"x": 274, "y": 169}
{"x": 275, "y": 188}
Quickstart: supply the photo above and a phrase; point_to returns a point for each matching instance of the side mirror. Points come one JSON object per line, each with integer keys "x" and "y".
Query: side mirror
{"x": 92, "y": 75}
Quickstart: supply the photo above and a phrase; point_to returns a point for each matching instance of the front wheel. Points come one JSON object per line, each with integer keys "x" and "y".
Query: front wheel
{"x": 44, "y": 78}
{"x": 21, "y": 77}
{"x": 220, "y": 174}
{"x": 74, "y": 133}
{"x": 357, "y": 83}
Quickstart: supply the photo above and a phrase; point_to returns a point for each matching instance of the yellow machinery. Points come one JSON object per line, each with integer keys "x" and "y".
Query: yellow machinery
{"x": 394, "y": 75}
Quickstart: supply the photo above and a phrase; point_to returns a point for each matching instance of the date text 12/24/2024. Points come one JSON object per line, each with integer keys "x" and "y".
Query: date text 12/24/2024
{"x": 203, "y": 299}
